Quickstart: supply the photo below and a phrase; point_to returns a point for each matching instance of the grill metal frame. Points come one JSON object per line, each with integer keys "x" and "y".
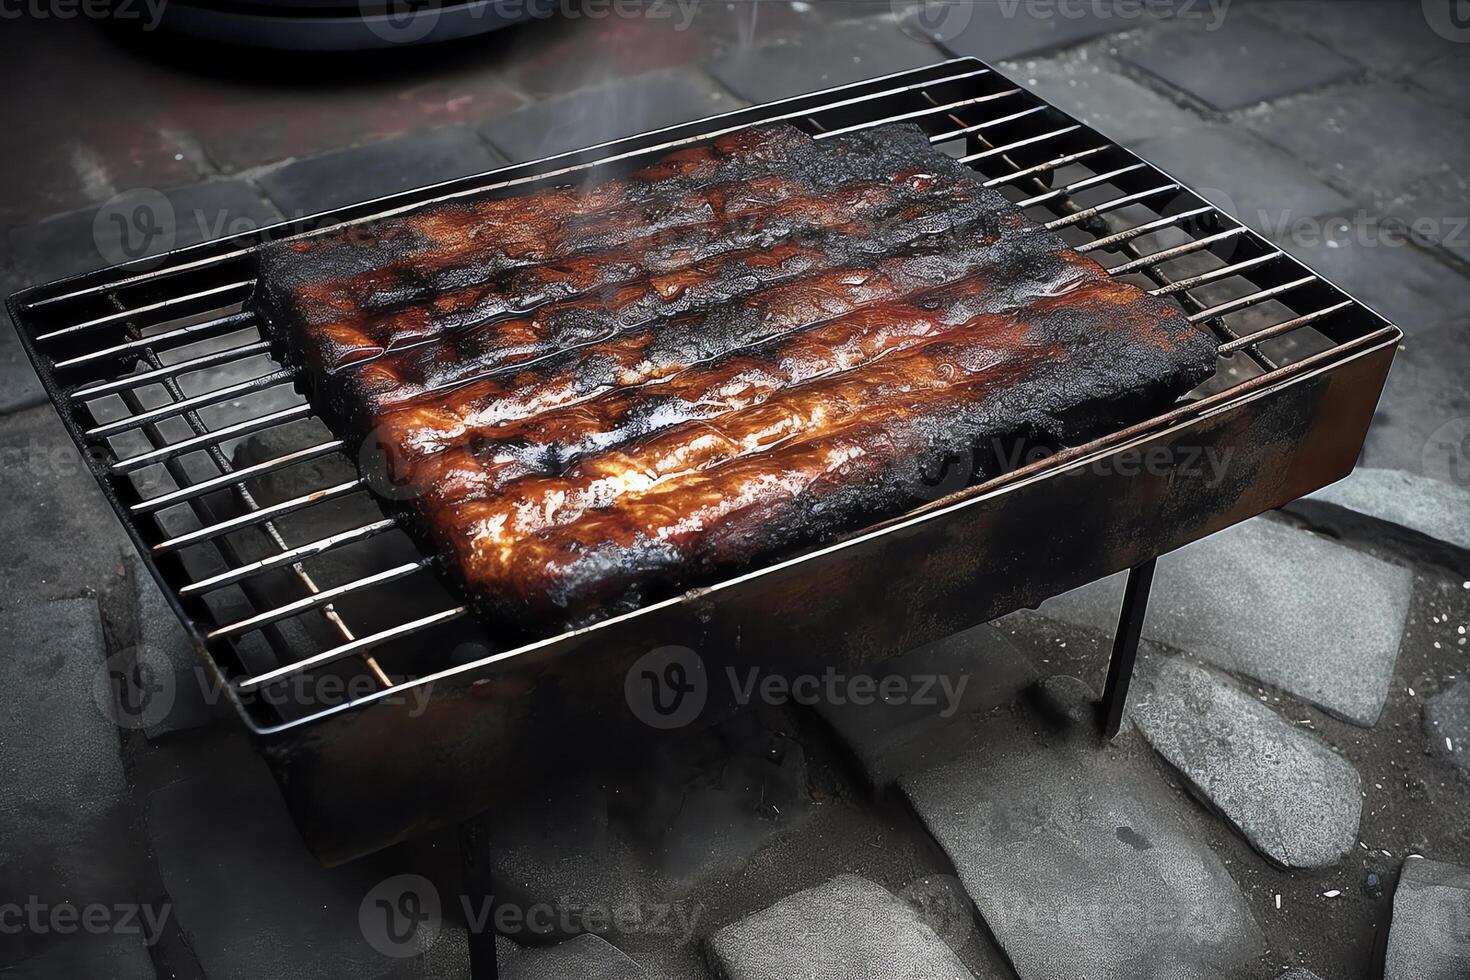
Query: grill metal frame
{"x": 104, "y": 339}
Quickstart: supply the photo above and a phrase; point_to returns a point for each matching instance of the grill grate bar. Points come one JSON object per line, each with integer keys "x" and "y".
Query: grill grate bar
{"x": 1083, "y": 184}
{"x": 288, "y": 557}
{"x": 218, "y": 296}
{"x": 192, "y": 403}
{"x": 1113, "y": 205}
{"x": 1148, "y": 227}
{"x": 194, "y": 331}
{"x": 1053, "y": 164}
{"x": 240, "y": 476}
{"x": 1224, "y": 272}
{"x": 1276, "y": 330}
{"x": 258, "y": 516}
{"x": 1164, "y": 255}
{"x": 312, "y": 601}
{"x": 919, "y": 113}
{"x": 1240, "y": 303}
{"x": 977, "y": 127}
{"x": 1016, "y": 145}
{"x": 335, "y": 654}
{"x": 132, "y": 464}
{"x": 178, "y": 369}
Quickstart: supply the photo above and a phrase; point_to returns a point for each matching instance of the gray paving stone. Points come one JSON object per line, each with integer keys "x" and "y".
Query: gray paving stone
{"x": 342, "y": 177}
{"x": 104, "y": 957}
{"x": 1448, "y": 78}
{"x": 846, "y": 929}
{"x": 1291, "y": 796}
{"x": 965, "y": 674}
{"x": 997, "y": 31}
{"x": 633, "y": 105}
{"x": 58, "y": 744}
{"x": 54, "y": 515}
{"x": 1436, "y": 215}
{"x": 616, "y": 839}
{"x": 19, "y": 385}
{"x": 1251, "y": 180}
{"x": 1404, "y": 283}
{"x": 1428, "y": 939}
{"x": 137, "y": 223}
{"x": 1244, "y": 61}
{"x": 1435, "y": 511}
{"x": 250, "y": 899}
{"x": 1425, "y": 408}
{"x": 1372, "y": 142}
{"x": 1284, "y": 606}
{"x": 1079, "y": 857}
{"x": 165, "y": 646}
{"x": 65, "y": 822}
{"x": 587, "y": 957}
{"x": 795, "y": 64}
{"x": 1447, "y": 722}
{"x": 81, "y": 850}
{"x": 1091, "y": 88}
{"x": 734, "y": 23}
{"x": 1385, "y": 35}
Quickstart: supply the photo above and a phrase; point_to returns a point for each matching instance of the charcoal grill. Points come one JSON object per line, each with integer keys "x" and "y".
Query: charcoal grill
{"x": 269, "y": 545}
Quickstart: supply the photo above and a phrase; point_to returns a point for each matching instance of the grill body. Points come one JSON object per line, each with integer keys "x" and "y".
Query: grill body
{"x": 444, "y": 729}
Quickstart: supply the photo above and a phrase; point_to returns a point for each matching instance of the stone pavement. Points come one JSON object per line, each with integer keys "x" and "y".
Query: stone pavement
{"x": 1326, "y": 126}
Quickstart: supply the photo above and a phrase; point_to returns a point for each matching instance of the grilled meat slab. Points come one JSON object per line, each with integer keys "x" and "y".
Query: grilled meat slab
{"x": 596, "y": 396}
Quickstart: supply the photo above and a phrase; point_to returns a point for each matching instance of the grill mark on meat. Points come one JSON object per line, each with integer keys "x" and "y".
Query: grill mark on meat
{"x": 485, "y": 351}
{"x": 635, "y": 358}
{"x": 677, "y": 483}
{"x": 553, "y": 440}
{"x": 332, "y": 282}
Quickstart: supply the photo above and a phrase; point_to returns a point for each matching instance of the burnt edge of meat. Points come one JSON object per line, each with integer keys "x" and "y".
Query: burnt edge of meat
{"x": 1132, "y": 382}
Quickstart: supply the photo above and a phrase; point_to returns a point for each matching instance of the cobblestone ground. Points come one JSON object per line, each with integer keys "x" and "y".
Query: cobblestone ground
{"x": 1265, "y": 812}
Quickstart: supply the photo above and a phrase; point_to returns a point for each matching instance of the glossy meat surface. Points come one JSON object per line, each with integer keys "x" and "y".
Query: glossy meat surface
{"x": 593, "y": 397}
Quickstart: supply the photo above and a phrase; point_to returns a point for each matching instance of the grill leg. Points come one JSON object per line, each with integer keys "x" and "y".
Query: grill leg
{"x": 1125, "y": 646}
{"x": 474, "y": 845}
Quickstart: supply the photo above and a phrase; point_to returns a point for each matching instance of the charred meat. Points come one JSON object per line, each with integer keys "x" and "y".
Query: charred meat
{"x": 597, "y": 396}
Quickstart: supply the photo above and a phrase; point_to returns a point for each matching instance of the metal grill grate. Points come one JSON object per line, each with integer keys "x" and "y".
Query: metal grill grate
{"x": 281, "y": 561}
